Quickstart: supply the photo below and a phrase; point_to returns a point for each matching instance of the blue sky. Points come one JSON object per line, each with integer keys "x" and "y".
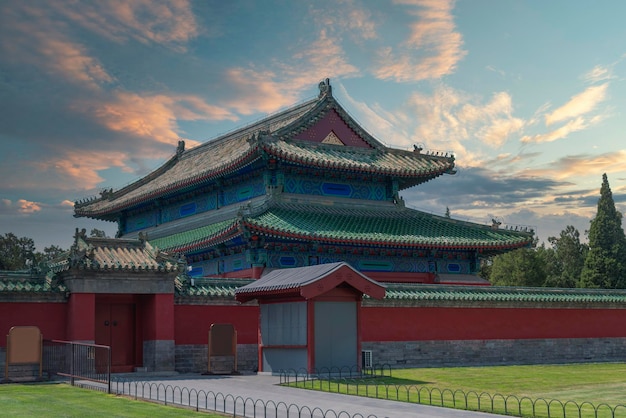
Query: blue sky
{"x": 529, "y": 95}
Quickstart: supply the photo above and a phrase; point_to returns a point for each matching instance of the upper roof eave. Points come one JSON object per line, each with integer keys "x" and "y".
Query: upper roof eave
{"x": 237, "y": 150}
{"x": 410, "y": 167}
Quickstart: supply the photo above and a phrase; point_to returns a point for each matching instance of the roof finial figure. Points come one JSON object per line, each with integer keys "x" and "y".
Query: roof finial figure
{"x": 180, "y": 148}
{"x": 325, "y": 88}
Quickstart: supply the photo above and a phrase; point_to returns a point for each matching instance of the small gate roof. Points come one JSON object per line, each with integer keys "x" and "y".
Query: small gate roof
{"x": 309, "y": 282}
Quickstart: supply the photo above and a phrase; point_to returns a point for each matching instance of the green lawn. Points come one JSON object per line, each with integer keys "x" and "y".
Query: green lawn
{"x": 63, "y": 400}
{"x": 582, "y": 383}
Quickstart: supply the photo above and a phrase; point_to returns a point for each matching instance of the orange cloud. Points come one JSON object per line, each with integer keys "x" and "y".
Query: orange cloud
{"x": 573, "y": 166}
{"x": 257, "y": 90}
{"x": 452, "y": 116}
{"x": 579, "y": 104}
{"x": 170, "y": 23}
{"x": 39, "y": 41}
{"x": 434, "y": 35}
{"x": 19, "y": 207}
{"x": 78, "y": 169}
{"x": 577, "y": 124}
{"x": 152, "y": 117}
{"x": 27, "y": 207}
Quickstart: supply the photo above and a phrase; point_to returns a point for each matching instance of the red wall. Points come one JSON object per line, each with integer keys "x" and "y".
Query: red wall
{"x": 192, "y": 322}
{"x": 50, "y": 318}
{"x": 158, "y": 317}
{"x": 415, "y": 324}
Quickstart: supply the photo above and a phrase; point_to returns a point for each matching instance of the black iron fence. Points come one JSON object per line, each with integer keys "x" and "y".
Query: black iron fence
{"x": 75, "y": 360}
{"x": 81, "y": 363}
{"x": 332, "y": 374}
{"x": 354, "y": 382}
{"x": 210, "y": 401}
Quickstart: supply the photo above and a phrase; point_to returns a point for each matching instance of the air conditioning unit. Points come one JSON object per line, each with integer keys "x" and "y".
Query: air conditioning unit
{"x": 366, "y": 359}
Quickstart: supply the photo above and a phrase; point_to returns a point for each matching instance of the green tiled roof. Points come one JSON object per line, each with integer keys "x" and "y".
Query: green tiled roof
{"x": 398, "y": 163}
{"x": 391, "y": 226}
{"x": 25, "y": 282}
{"x": 210, "y": 288}
{"x": 395, "y": 226}
{"x": 195, "y": 238}
{"x": 418, "y": 292}
{"x": 225, "y": 288}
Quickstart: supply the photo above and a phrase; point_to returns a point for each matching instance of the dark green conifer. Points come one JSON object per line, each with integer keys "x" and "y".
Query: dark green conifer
{"x": 605, "y": 264}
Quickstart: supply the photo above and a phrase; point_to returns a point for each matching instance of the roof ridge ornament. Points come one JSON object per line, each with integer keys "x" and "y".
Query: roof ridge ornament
{"x": 180, "y": 148}
{"x": 325, "y": 88}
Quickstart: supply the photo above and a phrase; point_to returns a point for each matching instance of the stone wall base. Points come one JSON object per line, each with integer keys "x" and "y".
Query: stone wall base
{"x": 158, "y": 355}
{"x": 19, "y": 372}
{"x": 496, "y": 352}
{"x": 193, "y": 359}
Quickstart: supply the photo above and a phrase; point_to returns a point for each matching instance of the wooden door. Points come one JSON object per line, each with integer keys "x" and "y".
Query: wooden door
{"x": 115, "y": 327}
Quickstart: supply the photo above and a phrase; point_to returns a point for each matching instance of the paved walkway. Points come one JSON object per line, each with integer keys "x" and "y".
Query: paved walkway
{"x": 257, "y": 390}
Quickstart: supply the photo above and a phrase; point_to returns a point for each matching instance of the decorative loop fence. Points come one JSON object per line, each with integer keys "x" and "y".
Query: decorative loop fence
{"x": 362, "y": 383}
{"x": 206, "y": 401}
{"x": 354, "y": 382}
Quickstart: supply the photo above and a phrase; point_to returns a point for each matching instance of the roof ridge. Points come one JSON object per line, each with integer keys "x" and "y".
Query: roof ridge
{"x": 249, "y": 128}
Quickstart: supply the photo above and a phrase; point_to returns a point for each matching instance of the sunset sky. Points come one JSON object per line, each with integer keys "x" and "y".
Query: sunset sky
{"x": 529, "y": 95}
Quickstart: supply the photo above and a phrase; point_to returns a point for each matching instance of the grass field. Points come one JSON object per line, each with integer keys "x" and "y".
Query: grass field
{"x": 597, "y": 384}
{"x": 62, "y": 400}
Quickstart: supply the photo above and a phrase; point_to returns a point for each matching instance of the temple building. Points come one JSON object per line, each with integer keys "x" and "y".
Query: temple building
{"x": 303, "y": 187}
{"x": 293, "y": 232}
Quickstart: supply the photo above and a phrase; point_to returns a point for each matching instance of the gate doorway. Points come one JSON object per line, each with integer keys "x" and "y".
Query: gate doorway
{"x": 115, "y": 327}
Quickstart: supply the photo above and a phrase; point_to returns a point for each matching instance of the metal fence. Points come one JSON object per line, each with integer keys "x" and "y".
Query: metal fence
{"x": 75, "y": 360}
{"x": 497, "y": 403}
{"x": 206, "y": 401}
{"x": 349, "y": 381}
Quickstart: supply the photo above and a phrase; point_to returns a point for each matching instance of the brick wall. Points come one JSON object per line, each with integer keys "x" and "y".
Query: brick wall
{"x": 400, "y": 354}
{"x": 192, "y": 358}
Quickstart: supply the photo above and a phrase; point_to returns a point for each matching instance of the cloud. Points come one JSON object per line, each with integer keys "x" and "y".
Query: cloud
{"x": 572, "y": 166}
{"x": 19, "y": 207}
{"x": 477, "y": 195}
{"x": 361, "y": 24}
{"x": 450, "y": 117}
{"x": 267, "y": 90}
{"x": 599, "y": 73}
{"x": 40, "y": 42}
{"x": 571, "y": 126}
{"x": 170, "y": 23}
{"x": 432, "y": 49}
{"x": 579, "y": 104}
{"x": 151, "y": 117}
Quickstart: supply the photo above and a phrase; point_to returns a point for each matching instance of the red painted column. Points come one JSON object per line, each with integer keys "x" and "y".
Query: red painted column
{"x": 160, "y": 322}
{"x": 259, "y": 342}
{"x": 358, "y": 332}
{"x": 81, "y": 317}
{"x": 310, "y": 331}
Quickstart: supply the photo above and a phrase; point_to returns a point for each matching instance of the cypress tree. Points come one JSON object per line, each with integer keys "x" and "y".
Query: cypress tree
{"x": 605, "y": 264}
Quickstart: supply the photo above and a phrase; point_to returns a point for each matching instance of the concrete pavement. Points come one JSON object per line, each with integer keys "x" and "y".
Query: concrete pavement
{"x": 259, "y": 395}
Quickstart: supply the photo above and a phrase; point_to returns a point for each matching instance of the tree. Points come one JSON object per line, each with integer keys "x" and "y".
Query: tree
{"x": 14, "y": 252}
{"x": 566, "y": 260}
{"x": 52, "y": 252}
{"x": 522, "y": 267}
{"x": 605, "y": 264}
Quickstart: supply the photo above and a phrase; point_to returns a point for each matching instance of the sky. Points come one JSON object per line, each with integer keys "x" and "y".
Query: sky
{"x": 528, "y": 95}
